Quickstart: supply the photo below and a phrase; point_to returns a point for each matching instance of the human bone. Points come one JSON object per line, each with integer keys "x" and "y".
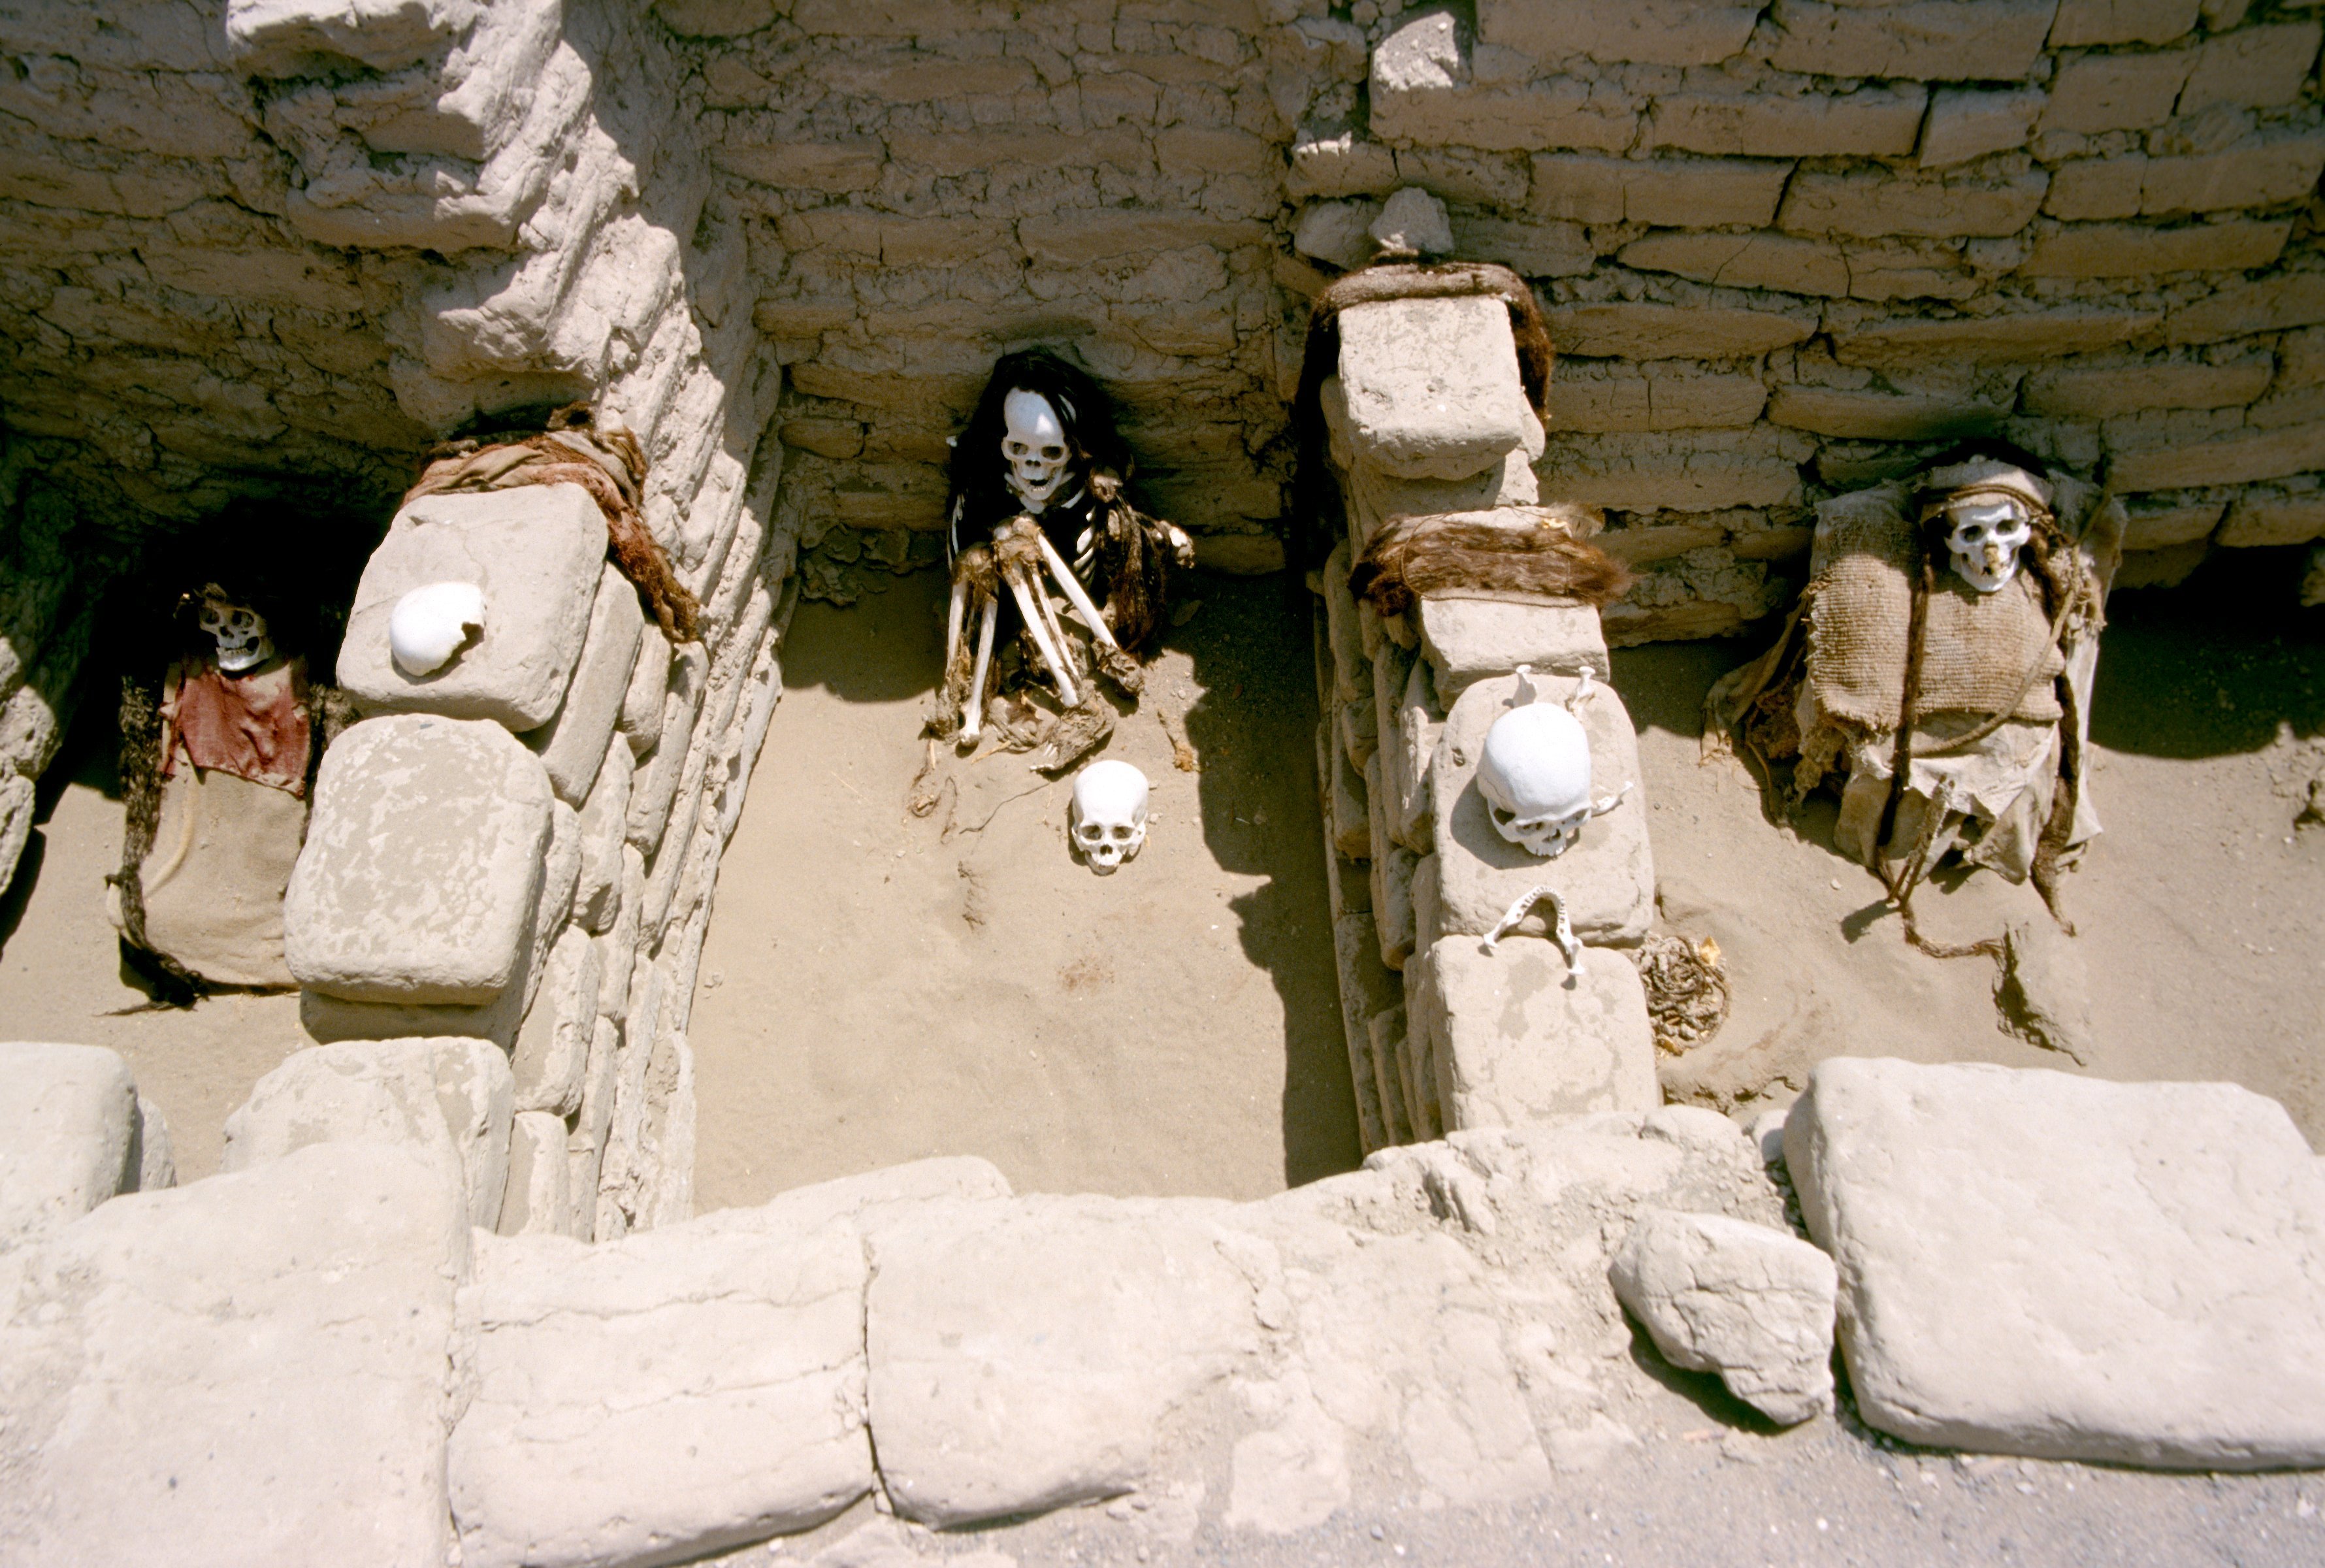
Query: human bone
{"x": 1535, "y": 773}
{"x": 429, "y": 625}
{"x": 239, "y": 631}
{"x": 1109, "y": 814}
{"x": 1988, "y": 531}
{"x": 1035, "y": 443}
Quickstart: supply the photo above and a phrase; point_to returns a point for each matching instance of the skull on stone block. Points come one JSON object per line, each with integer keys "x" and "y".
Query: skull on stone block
{"x": 239, "y": 631}
{"x": 1535, "y": 773}
{"x": 1989, "y": 529}
{"x": 1109, "y": 814}
{"x": 1033, "y": 440}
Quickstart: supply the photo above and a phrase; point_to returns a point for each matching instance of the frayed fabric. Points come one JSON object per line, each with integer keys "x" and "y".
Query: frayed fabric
{"x": 1524, "y": 549}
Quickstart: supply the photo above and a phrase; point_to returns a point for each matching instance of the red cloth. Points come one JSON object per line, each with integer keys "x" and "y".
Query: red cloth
{"x": 253, "y": 726}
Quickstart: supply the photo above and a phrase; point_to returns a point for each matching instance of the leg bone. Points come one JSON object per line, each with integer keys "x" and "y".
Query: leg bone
{"x": 1076, "y": 594}
{"x": 1032, "y": 606}
{"x": 986, "y": 622}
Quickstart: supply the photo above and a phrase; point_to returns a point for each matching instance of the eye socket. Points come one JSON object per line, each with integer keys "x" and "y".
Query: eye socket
{"x": 1054, "y": 454}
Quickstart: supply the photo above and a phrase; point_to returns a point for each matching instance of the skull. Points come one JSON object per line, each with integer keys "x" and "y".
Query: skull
{"x": 429, "y": 625}
{"x": 239, "y": 630}
{"x": 1034, "y": 442}
{"x": 1535, "y": 775}
{"x": 1109, "y": 814}
{"x": 1988, "y": 529}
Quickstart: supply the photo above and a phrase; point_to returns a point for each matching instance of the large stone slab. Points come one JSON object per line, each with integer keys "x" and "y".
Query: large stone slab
{"x": 68, "y": 1128}
{"x": 248, "y": 1371}
{"x": 1606, "y": 878}
{"x": 2033, "y": 1263}
{"x": 448, "y": 1098}
{"x": 423, "y": 864}
{"x": 1517, "y": 1039}
{"x": 1752, "y": 1304}
{"x": 572, "y": 746}
{"x": 1431, "y": 387}
{"x": 538, "y": 552}
{"x": 1023, "y": 1354}
{"x": 1471, "y": 637}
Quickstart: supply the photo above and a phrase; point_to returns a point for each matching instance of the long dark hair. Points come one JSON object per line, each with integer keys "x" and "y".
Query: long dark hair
{"x": 980, "y": 495}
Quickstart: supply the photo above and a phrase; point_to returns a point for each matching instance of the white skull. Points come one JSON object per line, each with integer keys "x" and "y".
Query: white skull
{"x": 1988, "y": 531}
{"x": 240, "y": 632}
{"x": 1034, "y": 442}
{"x": 1109, "y": 814}
{"x": 1535, "y": 776}
{"x": 429, "y": 625}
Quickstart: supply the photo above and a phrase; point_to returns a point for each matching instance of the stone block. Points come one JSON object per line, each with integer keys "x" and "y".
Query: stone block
{"x": 1599, "y": 397}
{"x": 1872, "y": 122}
{"x": 1744, "y": 261}
{"x": 2234, "y": 460}
{"x": 673, "y": 1394}
{"x": 2094, "y": 93}
{"x": 2259, "y": 172}
{"x": 1752, "y": 1304}
{"x": 68, "y": 1134}
{"x": 1349, "y": 823}
{"x": 1412, "y": 722}
{"x": 449, "y": 1100}
{"x": 1431, "y": 387}
{"x": 537, "y": 551}
{"x": 602, "y": 824}
{"x": 237, "y": 1370}
{"x": 1871, "y": 413}
{"x": 2109, "y": 390}
{"x": 2239, "y": 310}
{"x": 537, "y": 1200}
{"x": 1667, "y": 192}
{"x": 1869, "y": 203}
{"x": 2121, "y": 21}
{"x": 1375, "y": 498}
{"x": 2093, "y": 188}
{"x": 2037, "y": 1264}
{"x": 1469, "y": 637}
{"x": 1919, "y": 40}
{"x": 1530, "y": 247}
{"x": 1606, "y": 878}
{"x": 1518, "y": 1039}
{"x": 282, "y": 37}
{"x": 1337, "y": 232}
{"x": 1648, "y": 330}
{"x": 2252, "y": 67}
{"x": 1339, "y": 165}
{"x": 1422, "y": 92}
{"x": 1387, "y": 1031}
{"x": 572, "y": 746}
{"x": 1392, "y": 876}
{"x": 550, "y": 1054}
{"x": 2025, "y": 337}
{"x": 2161, "y": 521}
{"x": 2268, "y": 514}
{"x": 2126, "y": 250}
{"x": 1367, "y": 988}
{"x": 1967, "y": 123}
{"x": 422, "y": 864}
{"x": 1681, "y": 471}
{"x": 1359, "y": 729}
{"x": 1650, "y": 32}
{"x": 1024, "y": 1355}
{"x": 1351, "y": 673}
{"x": 640, "y": 722}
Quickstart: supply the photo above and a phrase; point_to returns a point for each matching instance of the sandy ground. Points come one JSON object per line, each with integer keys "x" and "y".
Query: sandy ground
{"x": 876, "y": 987}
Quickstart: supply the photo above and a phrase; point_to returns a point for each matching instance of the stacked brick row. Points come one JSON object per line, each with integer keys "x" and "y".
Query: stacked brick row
{"x": 1445, "y": 1031}
{"x": 1787, "y": 249}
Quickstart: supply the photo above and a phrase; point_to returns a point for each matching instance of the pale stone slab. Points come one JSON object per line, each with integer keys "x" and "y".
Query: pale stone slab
{"x": 448, "y": 1098}
{"x": 238, "y": 1371}
{"x": 1469, "y": 636}
{"x": 1753, "y": 1305}
{"x": 2038, "y": 1264}
{"x": 67, "y": 1134}
{"x": 1517, "y": 1039}
{"x": 422, "y": 864}
{"x": 1606, "y": 878}
{"x": 603, "y": 824}
{"x": 1411, "y": 723}
{"x": 671, "y": 1394}
{"x": 1023, "y": 1354}
{"x": 1431, "y": 387}
{"x": 572, "y": 746}
{"x": 551, "y": 1051}
{"x": 538, "y": 1200}
{"x": 537, "y": 551}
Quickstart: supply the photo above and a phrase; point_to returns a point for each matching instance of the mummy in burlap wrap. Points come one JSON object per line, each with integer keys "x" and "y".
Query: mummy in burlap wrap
{"x": 1900, "y": 648}
{"x": 1038, "y": 499}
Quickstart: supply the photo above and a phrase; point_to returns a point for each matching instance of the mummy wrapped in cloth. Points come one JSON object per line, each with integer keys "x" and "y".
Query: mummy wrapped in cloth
{"x": 1938, "y": 670}
{"x": 220, "y": 735}
{"x": 1038, "y": 506}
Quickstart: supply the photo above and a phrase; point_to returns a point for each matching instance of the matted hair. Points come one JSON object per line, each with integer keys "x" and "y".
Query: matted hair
{"x": 979, "y": 494}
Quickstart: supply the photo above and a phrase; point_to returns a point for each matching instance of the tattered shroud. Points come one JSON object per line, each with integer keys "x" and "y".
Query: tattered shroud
{"x": 1527, "y": 549}
{"x": 606, "y": 463}
{"x": 1316, "y": 491}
